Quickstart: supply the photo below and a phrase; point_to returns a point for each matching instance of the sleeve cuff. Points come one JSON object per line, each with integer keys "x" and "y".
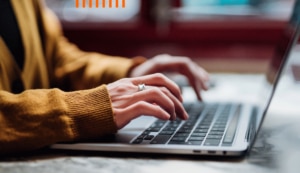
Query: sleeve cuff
{"x": 91, "y": 113}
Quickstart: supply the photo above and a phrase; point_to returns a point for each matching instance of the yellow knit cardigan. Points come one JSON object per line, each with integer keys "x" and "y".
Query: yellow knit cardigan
{"x": 45, "y": 114}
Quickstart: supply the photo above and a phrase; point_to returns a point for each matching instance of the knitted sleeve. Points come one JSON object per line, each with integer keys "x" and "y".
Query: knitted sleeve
{"x": 37, "y": 118}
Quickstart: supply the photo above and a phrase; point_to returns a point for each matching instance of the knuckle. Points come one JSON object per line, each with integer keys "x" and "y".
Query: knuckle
{"x": 123, "y": 88}
{"x": 159, "y": 76}
{"x": 141, "y": 105}
{"x": 164, "y": 89}
{"x": 120, "y": 89}
{"x": 155, "y": 92}
{"x": 167, "y": 92}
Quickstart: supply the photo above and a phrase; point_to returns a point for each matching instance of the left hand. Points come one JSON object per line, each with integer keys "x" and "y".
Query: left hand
{"x": 195, "y": 74}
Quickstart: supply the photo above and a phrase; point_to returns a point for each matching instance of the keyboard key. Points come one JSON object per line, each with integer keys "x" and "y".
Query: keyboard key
{"x": 158, "y": 123}
{"x": 149, "y": 137}
{"x": 203, "y": 127}
{"x": 214, "y": 137}
{"x": 166, "y": 133}
{"x": 170, "y": 129}
{"x": 146, "y": 132}
{"x": 187, "y": 127}
{"x": 198, "y": 134}
{"x": 160, "y": 139}
{"x": 196, "y": 138}
{"x": 182, "y": 134}
{"x": 216, "y": 133}
{"x": 189, "y": 124}
{"x": 201, "y": 130}
{"x": 219, "y": 126}
{"x": 184, "y": 131}
{"x": 137, "y": 141}
{"x": 194, "y": 142}
{"x": 142, "y": 136}
{"x": 179, "y": 138}
{"x": 212, "y": 142}
{"x": 178, "y": 142}
{"x": 218, "y": 129}
{"x": 153, "y": 129}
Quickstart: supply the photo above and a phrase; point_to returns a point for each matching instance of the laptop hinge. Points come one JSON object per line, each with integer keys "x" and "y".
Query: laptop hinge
{"x": 251, "y": 132}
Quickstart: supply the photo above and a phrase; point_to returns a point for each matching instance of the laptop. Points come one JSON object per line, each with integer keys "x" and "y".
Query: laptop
{"x": 213, "y": 128}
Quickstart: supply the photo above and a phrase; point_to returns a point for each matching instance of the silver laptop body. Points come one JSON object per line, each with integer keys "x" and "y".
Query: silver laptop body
{"x": 205, "y": 133}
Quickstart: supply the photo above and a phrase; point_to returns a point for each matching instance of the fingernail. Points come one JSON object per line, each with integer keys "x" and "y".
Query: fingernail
{"x": 168, "y": 117}
{"x": 181, "y": 99}
{"x": 199, "y": 97}
{"x": 186, "y": 115}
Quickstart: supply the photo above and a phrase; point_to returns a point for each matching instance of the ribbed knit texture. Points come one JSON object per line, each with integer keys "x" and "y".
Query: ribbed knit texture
{"x": 91, "y": 112}
{"x": 37, "y": 118}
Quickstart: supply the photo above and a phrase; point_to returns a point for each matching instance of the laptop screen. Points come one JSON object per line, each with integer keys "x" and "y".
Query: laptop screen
{"x": 289, "y": 38}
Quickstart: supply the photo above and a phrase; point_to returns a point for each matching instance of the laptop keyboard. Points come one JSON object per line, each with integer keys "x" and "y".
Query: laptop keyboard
{"x": 208, "y": 125}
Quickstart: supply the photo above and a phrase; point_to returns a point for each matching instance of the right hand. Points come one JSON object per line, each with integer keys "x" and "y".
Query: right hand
{"x": 161, "y": 98}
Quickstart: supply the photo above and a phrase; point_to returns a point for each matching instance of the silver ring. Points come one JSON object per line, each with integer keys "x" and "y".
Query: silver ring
{"x": 141, "y": 87}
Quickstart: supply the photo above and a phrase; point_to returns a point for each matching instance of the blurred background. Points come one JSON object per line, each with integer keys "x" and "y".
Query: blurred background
{"x": 221, "y": 35}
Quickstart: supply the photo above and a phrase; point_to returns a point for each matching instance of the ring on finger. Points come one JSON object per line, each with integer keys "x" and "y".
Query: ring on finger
{"x": 141, "y": 87}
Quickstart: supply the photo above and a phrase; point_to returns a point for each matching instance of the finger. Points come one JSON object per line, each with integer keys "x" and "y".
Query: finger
{"x": 194, "y": 80}
{"x": 124, "y": 116}
{"x": 199, "y": 84}
{"x": 153, "y": 95}
{"x": 197, "y": 88}
{"x": 180, "y": 111}
{"x": 197, "y": 78}
{"x": 159, "y": 79}
{"x": 203, "y": 77}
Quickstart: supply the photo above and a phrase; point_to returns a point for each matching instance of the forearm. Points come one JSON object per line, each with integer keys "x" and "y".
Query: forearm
{"x": 37, "y": 118}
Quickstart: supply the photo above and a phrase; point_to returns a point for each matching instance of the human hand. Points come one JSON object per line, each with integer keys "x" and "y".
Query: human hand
{"x": 160, "y": 98}
{"x": 195, "y": 74}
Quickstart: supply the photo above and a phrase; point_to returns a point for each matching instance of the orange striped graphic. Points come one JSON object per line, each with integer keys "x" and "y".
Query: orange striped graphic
{"x": 90, "y": 3}
{"x": 77, "y": 3}
{"x": 110, "y": 3}
{"x": 83, "y": 3}
{"x": 103, "y": 3}
{"x": 123, "y": 3}
{"x": 97, "y": 3}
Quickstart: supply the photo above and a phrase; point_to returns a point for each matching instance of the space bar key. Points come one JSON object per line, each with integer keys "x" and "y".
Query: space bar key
{"x": 160, "y": 139}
